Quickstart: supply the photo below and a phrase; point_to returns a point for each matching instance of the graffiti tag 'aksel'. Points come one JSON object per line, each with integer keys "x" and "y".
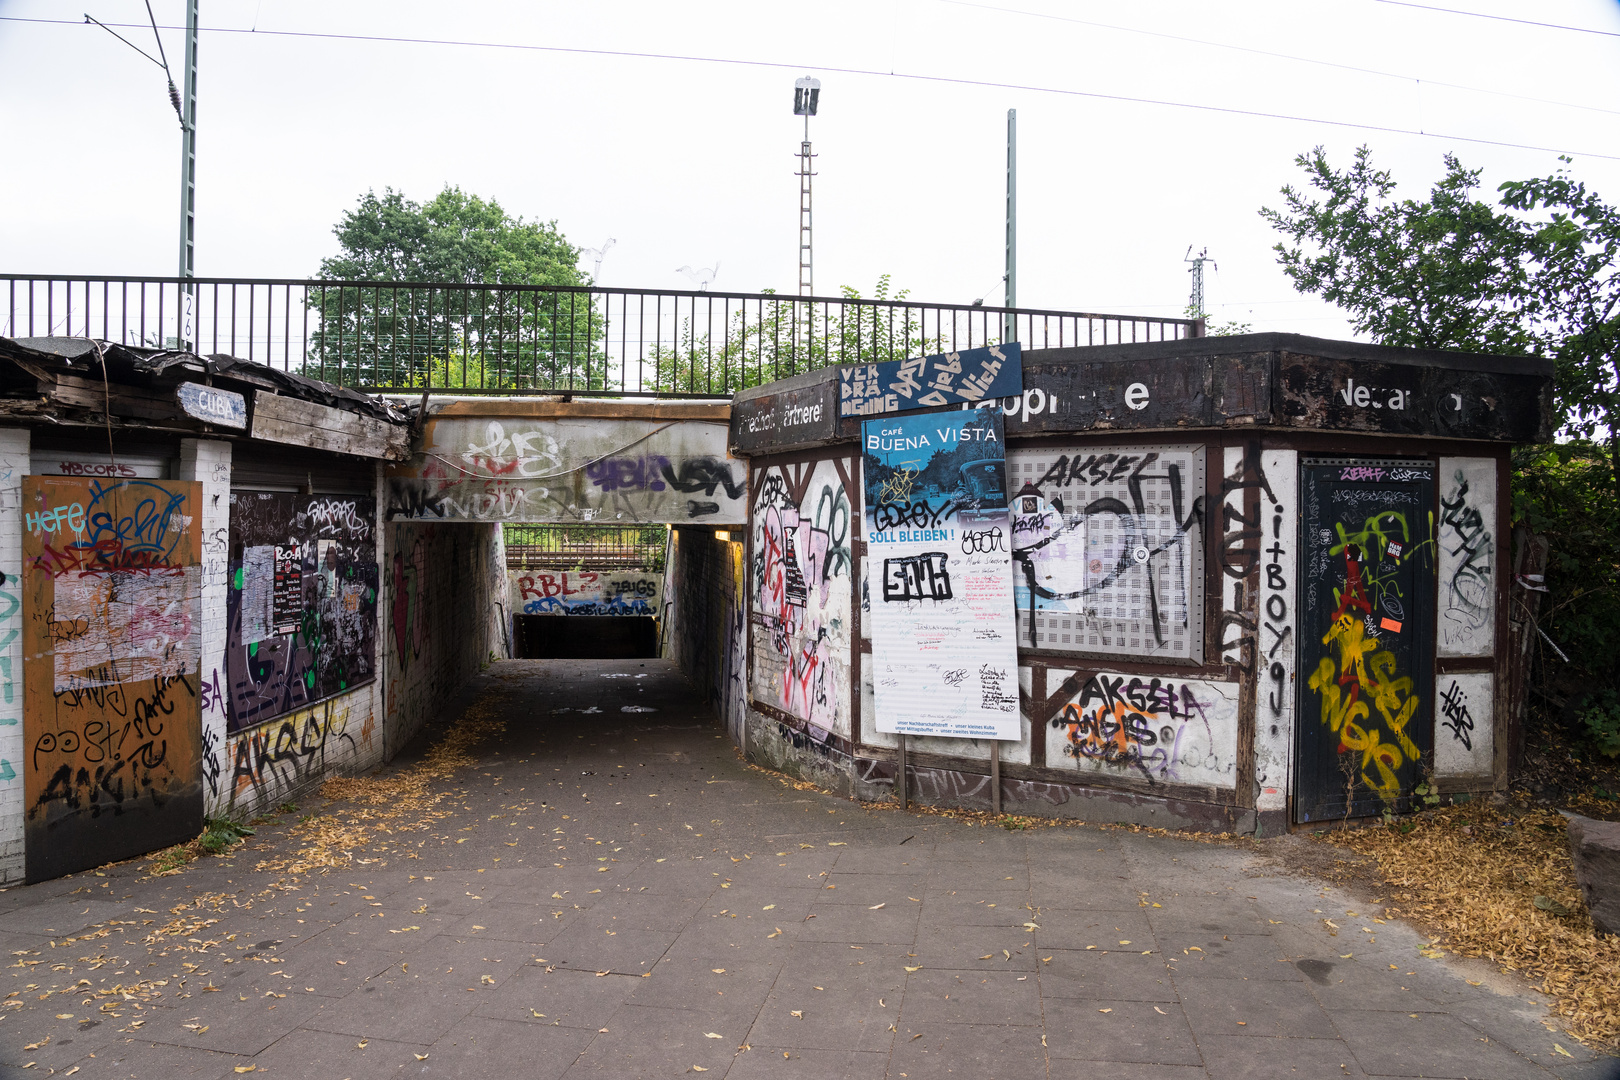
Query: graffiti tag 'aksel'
{"x": 1158, "y": 728}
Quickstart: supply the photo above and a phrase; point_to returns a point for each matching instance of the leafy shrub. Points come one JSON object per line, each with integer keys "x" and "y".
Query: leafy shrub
{"x": 1566, "y": 491}
{"x": 221, "y": 834}
{"x": 1601, "y": 719}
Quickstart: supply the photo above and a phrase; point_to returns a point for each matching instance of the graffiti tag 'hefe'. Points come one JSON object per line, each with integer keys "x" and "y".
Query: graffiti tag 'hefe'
{"x": 112, "y": 649}
{"x": 940, "y": 575}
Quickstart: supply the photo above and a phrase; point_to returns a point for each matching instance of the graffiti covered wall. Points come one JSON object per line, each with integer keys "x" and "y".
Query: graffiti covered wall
{"x": 302, "y": 605}
{"x": 584, "y": 592}
{"x": 570, "y": 469}
{"x": 1276, "y": 613}
{"x": 112, "y": 593}
{"x": 280, "y": 759}
{"x": 1159, "y": 729}
{"x": 1467, "y": 550}
{"x": 1463, "y": 725}
{"x": 14, "y": 448}
{"x": 706, "y": 623}
{"x": 1106, "y": 549}
{"x": 802, "y": 528}
{"x": 445, "y": 614}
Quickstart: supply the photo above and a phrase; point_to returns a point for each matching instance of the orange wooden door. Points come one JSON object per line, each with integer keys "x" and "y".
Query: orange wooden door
{"x": 112, "y": 636}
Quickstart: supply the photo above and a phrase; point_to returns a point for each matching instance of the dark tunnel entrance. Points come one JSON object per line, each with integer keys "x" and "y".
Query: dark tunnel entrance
{"x": 584, "y": 637}
{"x": 586, "y": 591}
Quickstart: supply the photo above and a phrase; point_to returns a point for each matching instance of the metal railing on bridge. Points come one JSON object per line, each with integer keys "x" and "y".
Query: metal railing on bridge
{"x": 393, "y": 336}
{"x": 586, "y": 547}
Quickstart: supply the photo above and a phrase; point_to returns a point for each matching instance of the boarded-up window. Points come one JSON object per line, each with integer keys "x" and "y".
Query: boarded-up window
{"x": 302, "y": 604}
{"x": 1108, "y": 550}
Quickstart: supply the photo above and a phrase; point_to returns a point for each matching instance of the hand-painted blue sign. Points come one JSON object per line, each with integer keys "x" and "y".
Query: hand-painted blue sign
{"x": 223, "y": 407}
{"x": 927, "y": 381}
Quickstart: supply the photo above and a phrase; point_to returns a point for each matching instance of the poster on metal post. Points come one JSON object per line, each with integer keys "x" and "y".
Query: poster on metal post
{"x": 939, "y": 568}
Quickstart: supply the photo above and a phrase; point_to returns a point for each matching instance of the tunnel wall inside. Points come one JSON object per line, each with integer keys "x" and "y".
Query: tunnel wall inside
{"x": 705, "y": 624}
{"x": 445, "y": 591}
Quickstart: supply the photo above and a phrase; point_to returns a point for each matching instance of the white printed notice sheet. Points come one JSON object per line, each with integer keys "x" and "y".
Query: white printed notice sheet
{"x": 939, "y": 569}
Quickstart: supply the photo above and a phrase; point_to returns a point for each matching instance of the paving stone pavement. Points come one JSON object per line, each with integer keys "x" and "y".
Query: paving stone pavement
{"x": 617, "y": 895}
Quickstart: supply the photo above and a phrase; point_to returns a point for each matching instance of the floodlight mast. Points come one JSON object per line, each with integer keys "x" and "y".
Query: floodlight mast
{"x": 806, "y": 97}
{"x": 1010, "y": 294}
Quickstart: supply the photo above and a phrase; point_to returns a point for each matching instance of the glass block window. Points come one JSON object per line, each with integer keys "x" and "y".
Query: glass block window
{"x": 1108, "y": 550}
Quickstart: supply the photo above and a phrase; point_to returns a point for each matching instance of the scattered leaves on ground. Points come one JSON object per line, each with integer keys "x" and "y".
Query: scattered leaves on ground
{"x": 1479, "y": 889}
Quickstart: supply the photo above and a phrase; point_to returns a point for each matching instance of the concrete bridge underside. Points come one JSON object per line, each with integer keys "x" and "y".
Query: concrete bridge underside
{"x": 499, "y": 460}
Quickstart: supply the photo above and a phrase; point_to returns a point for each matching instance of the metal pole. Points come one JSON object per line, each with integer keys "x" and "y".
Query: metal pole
{"x": 900, "y": 773}
{"x": 188, "y": 179}
{"x": 1010, "y": 330}
{"x": 995, "y": 776}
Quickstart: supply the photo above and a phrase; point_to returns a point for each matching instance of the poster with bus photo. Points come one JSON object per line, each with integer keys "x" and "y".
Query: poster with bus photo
{"x": 939, "y": 570}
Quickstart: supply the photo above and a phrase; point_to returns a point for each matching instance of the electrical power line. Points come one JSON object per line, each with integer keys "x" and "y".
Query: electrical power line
{"x": 877, "y": 73}
{"x": 1502, "y": 18}
{"x": 1279, "y": 55}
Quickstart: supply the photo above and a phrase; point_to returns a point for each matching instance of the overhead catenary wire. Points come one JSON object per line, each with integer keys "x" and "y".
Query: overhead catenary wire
{"x": 1502, "y": 18}
{"x": 1225, "y": 110}
{"x": 1271, "y": 54}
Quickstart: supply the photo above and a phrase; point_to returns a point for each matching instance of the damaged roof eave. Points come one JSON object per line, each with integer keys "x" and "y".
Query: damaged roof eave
{"x": 65, "y": 381}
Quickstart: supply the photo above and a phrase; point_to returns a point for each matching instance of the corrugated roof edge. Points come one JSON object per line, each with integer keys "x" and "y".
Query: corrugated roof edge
{"x": 78, "y": 351}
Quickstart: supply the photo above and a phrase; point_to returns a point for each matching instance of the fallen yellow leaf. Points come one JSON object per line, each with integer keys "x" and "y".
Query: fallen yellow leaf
{"x": 247, "y": 1068}
{"x": 712, "y": 1035}
{"x": 917, "y": 968}
{"x": 874, "y": 907}
{"x": 1105, "y": 1010}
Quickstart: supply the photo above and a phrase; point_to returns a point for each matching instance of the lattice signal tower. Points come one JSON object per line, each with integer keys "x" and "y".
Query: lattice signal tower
{"x": 1195, "y": 302}
{"x": 806, "y": 96}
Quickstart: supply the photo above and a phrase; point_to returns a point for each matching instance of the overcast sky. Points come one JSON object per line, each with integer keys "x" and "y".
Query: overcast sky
{"x": 692, "y": 161}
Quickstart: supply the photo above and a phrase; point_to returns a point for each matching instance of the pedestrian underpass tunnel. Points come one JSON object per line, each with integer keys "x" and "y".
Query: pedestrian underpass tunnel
{"x": 585, "y": 591}
{"x": 1166, "y": 655}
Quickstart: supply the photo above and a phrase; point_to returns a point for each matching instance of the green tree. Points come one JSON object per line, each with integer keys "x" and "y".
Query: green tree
{"x": 483, "y": 329}
{"x": 1537, "y": 272}
{"x": 1575, "y": 285}
{"x": 1446, "y": 273}
{"x": 760, "y": 341}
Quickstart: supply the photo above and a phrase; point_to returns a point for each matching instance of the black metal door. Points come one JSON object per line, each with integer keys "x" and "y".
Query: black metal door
{"x": 1366, "y": 642}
